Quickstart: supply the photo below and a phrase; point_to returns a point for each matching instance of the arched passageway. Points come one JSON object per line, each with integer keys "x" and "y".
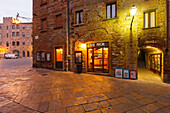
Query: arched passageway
{"x": 150, "y": 63}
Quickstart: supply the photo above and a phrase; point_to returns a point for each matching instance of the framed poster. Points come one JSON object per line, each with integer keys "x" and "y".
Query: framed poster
{"x": 118, "y": 72}
{"x": 133, "y": 74}
{"x": 48, "y": 57}
{"x": 43, "y": 56}
{"x": 126, "y": 73}
{"x": 38, "y": 56}
{"x": 78, "y": 56}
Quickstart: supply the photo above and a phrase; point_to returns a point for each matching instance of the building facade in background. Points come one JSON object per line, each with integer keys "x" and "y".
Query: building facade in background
{"x": 97, "y": 34}
{"x": 16, "y": 38}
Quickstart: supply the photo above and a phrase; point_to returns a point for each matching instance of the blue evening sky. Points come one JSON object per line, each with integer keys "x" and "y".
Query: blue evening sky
{"x": 10, "y": 8}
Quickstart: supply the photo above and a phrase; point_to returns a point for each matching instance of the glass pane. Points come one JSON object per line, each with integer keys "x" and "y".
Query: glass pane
{"x": 90, "y": 60}
{"x": 77, "y": 18}
{"x": 98, "y": 64}
{"x": 105, "y": 55}
{"x": 146, "y": 20}
{"x": 113, "y": 10}
{"x": 108, "y": 12}
{"x": 59, "y": 54}
{"x": 152, "y": 19}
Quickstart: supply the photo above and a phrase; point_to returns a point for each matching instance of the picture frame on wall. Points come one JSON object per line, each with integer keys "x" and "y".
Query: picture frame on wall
{"x": 133, "y": 75}
{"x": 126, "y": 74}
{"x": 78, "y": 56}
{"x": 38, "y": 56}
{"x": 43, "y": 56}
{"x": 48, "y": 57}
{"x": 118, "y": 72}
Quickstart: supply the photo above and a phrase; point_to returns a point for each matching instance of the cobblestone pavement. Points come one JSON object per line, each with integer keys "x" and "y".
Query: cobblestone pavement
{"x": 40, "y": 90}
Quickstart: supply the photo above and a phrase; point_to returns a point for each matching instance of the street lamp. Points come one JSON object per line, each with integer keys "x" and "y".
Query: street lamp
{"x": 132, "y": 12}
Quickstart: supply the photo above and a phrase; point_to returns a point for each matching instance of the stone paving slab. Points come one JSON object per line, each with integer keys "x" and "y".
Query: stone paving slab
{"x": 48, "y": 91}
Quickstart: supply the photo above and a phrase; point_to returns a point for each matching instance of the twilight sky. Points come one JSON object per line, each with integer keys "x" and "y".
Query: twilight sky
{"x": 10, "y": 8}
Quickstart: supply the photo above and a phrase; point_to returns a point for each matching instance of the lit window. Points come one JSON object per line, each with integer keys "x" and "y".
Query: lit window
{"x": 149, "y": 19}
{"x": 79, "y": 17}
{"x": 111, "y": 10}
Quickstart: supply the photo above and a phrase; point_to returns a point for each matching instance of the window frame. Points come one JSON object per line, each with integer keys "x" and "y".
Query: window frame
{"x": 13, "y": 26}
{"x": 149, "y": 19}
{"x": 13, "y": 33}
{"x": 110, "y": 4}
{"x": 13, "y": 43}
{"x": 17, "y": 43}
{"x": 57, "y": 26}
{"x": 18, "y": 34}
{"x": 79, "y": 12}
{"x": 18, "y": 27}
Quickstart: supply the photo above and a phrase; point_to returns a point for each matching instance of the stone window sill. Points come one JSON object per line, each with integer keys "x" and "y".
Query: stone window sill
{"x": 58, "y": 27}
{"x": 110, "y": 19}
{"x": 76, "y": 25}
{"x": 45, "y": 3}
{"x": 43, "y": 30}
{"x": 151, "y": 28}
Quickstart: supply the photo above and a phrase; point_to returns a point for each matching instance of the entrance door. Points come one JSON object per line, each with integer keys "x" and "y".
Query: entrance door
{"x": 98, "y": 60}
{"x": 59, "y": 58}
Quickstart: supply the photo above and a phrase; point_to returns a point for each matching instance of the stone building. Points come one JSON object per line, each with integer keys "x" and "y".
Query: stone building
{"x": 16, "y": 37}
{"x": 101, "y": 35}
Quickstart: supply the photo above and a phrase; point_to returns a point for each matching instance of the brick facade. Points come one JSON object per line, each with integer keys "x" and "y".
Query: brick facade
{"x": 18, "y": 37}
{"x": 96, "y": 28}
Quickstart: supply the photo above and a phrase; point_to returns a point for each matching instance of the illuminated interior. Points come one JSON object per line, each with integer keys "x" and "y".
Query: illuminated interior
{"x": 98, "y": 60}
{"x": 59, "y": 54}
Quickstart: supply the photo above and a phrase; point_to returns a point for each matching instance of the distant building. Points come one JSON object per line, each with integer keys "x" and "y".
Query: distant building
{"x": 100, "y": 37}
{"x": 16, "y": 37}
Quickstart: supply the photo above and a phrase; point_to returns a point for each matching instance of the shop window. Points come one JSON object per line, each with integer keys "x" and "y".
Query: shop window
{"x": 59, "y": 21}
{"x": 79, "y": 17}
{"x": 44, "y": 23}
{"x": 111, "y": 10}
{"x": 13, "y": 26}
{"x": 17, "y": 33}
{"x": 17, "y": 43}
{"x": 13, "y": 33}
{"x": 59, "y": 58}
{"x": 150, "y": 19}
{"x": 13, "y": 43}
{"x": 155, "y": 61}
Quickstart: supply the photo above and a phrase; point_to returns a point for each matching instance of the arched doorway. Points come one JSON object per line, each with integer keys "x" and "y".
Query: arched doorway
{"x": 16, "y": 52}
{"x": 23, "y": 54}
{"x": 28, "y": 54}
{"x": 150, "y": 63}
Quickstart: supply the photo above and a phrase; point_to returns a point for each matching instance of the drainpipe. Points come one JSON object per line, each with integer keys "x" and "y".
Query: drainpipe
{"x": 167, "y": 10}
{"x": 67, "y": 35}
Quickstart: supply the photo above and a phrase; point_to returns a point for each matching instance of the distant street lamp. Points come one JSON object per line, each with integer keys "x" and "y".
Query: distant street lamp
{"x": 132, "y": 12}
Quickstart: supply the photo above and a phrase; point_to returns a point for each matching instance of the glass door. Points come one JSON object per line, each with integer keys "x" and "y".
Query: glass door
{"x": 98, "y": 60}
{"x": 59, "y": 58}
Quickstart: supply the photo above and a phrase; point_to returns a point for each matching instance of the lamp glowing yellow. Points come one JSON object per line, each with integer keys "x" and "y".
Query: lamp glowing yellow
{"x": 133, "y": 10}
{"x": 16, "y": 21}
{"x": 83, "y": 46}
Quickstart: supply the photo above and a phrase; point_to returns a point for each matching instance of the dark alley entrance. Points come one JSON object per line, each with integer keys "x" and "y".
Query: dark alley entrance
{"x": 150, "y": 64}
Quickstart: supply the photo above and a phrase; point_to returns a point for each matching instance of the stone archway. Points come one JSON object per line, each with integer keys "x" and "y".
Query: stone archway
{"x": 150, "y": 63}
